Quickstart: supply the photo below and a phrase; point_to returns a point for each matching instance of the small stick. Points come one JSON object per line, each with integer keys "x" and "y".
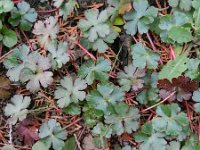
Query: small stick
{"x": 46, "y": 11}
{"x": 159, "y": 102}
{"x": 27, "y": 39}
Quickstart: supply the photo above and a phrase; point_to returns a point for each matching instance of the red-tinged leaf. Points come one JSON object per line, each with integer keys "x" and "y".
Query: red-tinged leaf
{"x": 27, "y": 131}
{"x": 165, "y": 84}
{"x": 186, "y": 84}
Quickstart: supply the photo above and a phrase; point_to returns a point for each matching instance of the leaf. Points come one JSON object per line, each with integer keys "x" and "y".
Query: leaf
{"x": 17, "y": 108}
{"x": 182, "y": 4}
{"x": 180, "y": 34}
{"x": 36, "y": 72}
{"x": 191, "y": 143}
{"x": 106, "y": 94}
{"x": 39, "y": 145}
{"x": 8, "y": 147}
{"x": 94, "y": 26}
{"x": 6, "y": 6}
{"x": 142, "y": 57}
{"x": 173, "y": 145}
{"x": 131, "y": 78}
{"x": 27, "y": 132}
{"x": 150, "y": 140}
{"x": 51, "y": 133}
{"x": 58, "y": 53}
{"x": 196, "y": 98}
{"x": 65, "y": 8}
{"x": 73, "y": 109}
{"x": 70, "y": 143}
{"x": 124, "y": 120}
{"x": 70, "y": 91}
{"x": 174, "y": 68}
{"x": 88, "y": 143}
{"x": 4, "y": 87}
{"x": 193, "y": 71}
{"x": 23, "y": 15}
{"x": 91, "y": 70}
{"x": 140, "y": 18}
{"x": 170, "y": 119}
{"x": 46, "y": 31}
{"x": 9, "y": 37}
{"x": 15, "y": 62}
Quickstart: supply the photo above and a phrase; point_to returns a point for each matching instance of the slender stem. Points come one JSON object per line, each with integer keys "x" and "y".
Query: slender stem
{"x": 27, "y": 39}
{"x": 172, "y": 54}
{"x": 85, "y": 50}
{"x": 159, "y": 102}
{"x": 5, "y": 55}
{"x": 46, "y": 11}
{"x": 72, "y": 123}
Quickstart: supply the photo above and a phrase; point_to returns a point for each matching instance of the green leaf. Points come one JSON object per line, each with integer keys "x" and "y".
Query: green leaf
{"x": 131, "y": 78}
{"x": 180, "y": 34}
{"x": 73, "y": 109}
{"x": 23, "y": 15}
{"x": 140, "y": 18}
{"x": 9, "y": 38}
{"x": 15, "y": 62}
{"x": 143, "y": 56}
{"x": 91, "y": 70}
{"x": 6, "y": 6}
{"x": 193, "y": 71}
{"x": 170, "y": 119}
{"x": 174, "y": 68}
{"x": 46, "y": 31}
{"x": 70, "y": 91}
{"x": 182, "y": 4}
{"x": 58, "y": 53}
{"x": 36, "y": 73}
{"x": 174, "y": 145}
{"x": 65, "y": 8}
{"x": 17, "y": 108}
{"x": 51, "y": 133}
{"x": 196, "y": 98}
{"x": 191, "y": 143}
{"x": 39, "y": 145}
{"x": 69, "y": 144}
{"x": 150, "y": 140}
{"x": 125, "y": 119}
{"x": 94, "y": 26}
{"x": 104, "y": 95}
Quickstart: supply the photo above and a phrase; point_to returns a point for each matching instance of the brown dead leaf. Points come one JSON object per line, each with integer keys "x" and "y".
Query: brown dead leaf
{"x": 4, "y": 87}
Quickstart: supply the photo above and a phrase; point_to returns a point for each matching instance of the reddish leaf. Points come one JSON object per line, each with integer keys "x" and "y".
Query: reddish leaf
{"x": 165, "y": 84}
{"x": 27, "y": 131}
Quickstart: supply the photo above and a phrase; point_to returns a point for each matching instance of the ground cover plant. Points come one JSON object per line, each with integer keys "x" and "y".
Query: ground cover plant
{"x": 99, "y": 74}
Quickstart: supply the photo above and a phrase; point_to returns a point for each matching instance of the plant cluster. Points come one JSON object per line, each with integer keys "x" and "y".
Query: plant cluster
{"x": 67, "y": 85}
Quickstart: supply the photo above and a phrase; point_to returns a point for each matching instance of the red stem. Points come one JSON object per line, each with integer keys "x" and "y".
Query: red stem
{"x": 172, "y": 54}
{"x": 27, "y": 39}
{"x": 85, "y": 50}
{"x": 46, "y": 11}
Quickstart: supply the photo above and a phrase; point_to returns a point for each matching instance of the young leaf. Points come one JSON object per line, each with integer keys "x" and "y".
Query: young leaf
{"x": 36, "y": 72}
{"x": 15, "y": 62}
{"x": 94, "y": 26}
{"x": 58, "y": 53}
{"x": 46, "y": 31}
{"x": 104, "y": 95}
{"x": 124, "y": 120}
{"x": 91, "y": 70}
{"x": 8, "y": 37}
{"x": 150, "y": 139}
{"x": 143, "y": 56}
{"x": 27, "y": 132}
{"x": 4, "y": 87}
{"x": 51, "y": 133}
{"x": 23, "y": 15}
{"x": 140, "y": 18}
{"x": 196, "y": 98}
{"x": 170, "y": 119}
{"x": 17, "y": 108}
{"x": 70, "y": 91}
{"x": 131, "y": 78}
{"x": 182, "y": 4}
{"x": 6, "y": 6}
{"x": 174, "y": 68}
{"x": 65, "y": 8}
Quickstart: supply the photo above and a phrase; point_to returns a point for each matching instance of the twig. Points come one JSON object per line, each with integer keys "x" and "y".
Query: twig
{"x": 46, "y": 11}
{"x": 29, "y": 43}
{"x": 10, "y": 134}
{"x": 159, "y": 102}
{"x": 72, "y": 123}
{"x": 78, "y": 143}
{"x": 85, "y": 50}
{"x": 172, "y": 54}
{"x": 5, "y": 55}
